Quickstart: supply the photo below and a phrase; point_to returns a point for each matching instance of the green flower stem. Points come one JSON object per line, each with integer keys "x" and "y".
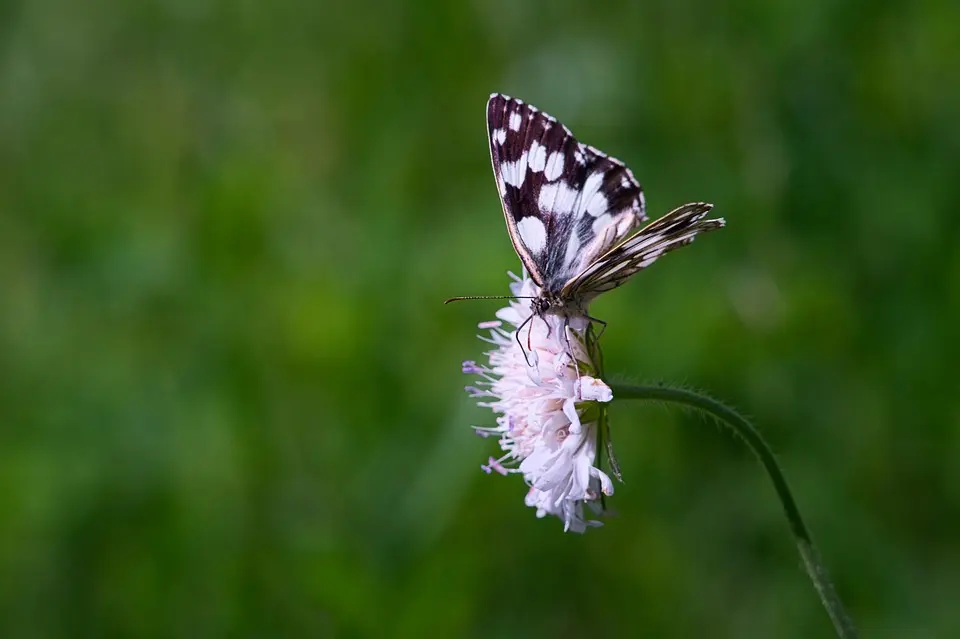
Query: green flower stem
{"x": 742, "y": 428}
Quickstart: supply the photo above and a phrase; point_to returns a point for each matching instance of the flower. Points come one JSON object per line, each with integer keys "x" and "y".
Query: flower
{"x": 549, "y": 408}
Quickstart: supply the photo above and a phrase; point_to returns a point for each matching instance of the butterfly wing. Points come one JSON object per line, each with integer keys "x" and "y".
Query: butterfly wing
{"x": 675, "y": 229}
{"x": 565, "y": 203}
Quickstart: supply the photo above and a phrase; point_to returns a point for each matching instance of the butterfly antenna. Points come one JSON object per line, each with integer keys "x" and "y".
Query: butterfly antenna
{"x": 489, "y": 297}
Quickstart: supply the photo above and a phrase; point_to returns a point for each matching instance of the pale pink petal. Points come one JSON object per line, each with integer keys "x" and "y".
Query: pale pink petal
{"x": 534, "y": 388}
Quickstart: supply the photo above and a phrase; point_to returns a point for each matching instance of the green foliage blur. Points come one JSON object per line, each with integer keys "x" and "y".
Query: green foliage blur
{"x": 230, "y": 397}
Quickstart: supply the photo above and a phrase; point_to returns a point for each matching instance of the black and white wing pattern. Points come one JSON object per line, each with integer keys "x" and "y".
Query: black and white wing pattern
{"x": 677, "y": 228}
{"x": 572, "y": 210}
{"x": 565, "y": 203}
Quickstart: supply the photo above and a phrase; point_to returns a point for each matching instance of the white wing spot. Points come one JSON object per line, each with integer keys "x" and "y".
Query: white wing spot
{"x": 515, "y": 172}
{"x": 600, "y": 223}
{"x": 557, "y": 197}
{"x": 554, "y": 166}
{"x": 538, "y": 157}
{"x": 597, "y": 205}
{"x": 533, "y": 233}
{"x": 578, "y": 156}
{"x": 500, "y": 135}
{"x": 624, "y": 182}
{"x": 593, "y": 202}
{"x": 515, "y": 120}
{"x": 627, "y": 220}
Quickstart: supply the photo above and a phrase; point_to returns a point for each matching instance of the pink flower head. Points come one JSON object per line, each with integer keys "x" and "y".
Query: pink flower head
{"x": 547, "y": 413}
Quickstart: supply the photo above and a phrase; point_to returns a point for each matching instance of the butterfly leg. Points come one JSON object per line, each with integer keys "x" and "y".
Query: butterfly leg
{"x": 603, "y": 325}
{"x": 549, "y": 328}
{"x": 570, "y": 354}
{"x": 516, "y": 336}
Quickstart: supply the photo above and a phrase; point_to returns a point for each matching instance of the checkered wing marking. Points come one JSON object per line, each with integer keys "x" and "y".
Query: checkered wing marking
{"x": 565, "y": 203}
{"x": 675, "y": 229}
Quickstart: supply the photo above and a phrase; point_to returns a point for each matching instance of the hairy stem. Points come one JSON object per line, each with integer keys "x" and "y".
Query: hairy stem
{"x": 745, "y": 430}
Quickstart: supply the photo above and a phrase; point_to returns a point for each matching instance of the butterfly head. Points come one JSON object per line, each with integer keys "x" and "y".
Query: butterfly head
{"x": 548, "y": 303}
{"x": 540, "y": 305}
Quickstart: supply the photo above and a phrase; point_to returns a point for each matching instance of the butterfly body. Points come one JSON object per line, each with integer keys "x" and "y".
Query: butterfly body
{"x": 573, "y": 212}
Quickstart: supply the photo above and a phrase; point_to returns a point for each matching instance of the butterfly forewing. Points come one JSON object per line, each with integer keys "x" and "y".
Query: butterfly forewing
{"x": 565, "y": 203}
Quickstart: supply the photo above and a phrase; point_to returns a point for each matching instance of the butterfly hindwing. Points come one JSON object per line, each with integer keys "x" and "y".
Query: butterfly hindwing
{"x": 675, "y": 229}
{"x": 565, "y": 203}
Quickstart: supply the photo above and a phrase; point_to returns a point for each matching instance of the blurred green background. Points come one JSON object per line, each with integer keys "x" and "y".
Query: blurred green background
{"x": 230, "y": 398}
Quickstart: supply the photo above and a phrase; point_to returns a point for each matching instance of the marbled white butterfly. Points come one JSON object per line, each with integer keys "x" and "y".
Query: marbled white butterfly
{"x": 572, "y": 210}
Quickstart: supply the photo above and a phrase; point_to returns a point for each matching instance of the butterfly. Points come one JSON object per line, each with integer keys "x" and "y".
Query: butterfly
{"x": 572, "y": 211}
